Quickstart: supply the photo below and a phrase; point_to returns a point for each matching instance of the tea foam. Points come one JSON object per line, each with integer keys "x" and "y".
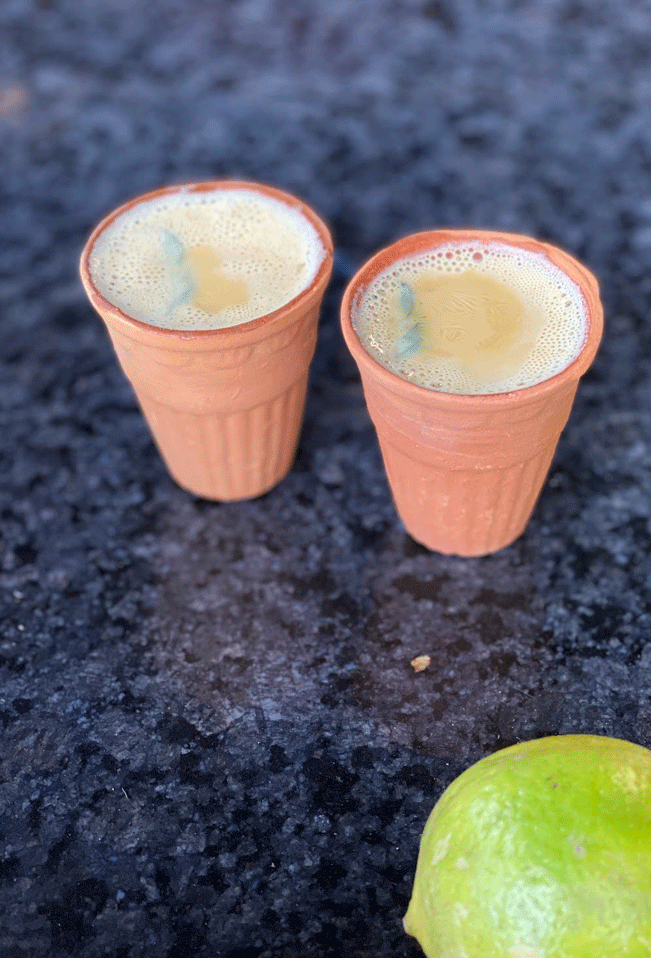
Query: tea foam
{"x": 263, "y": 245}
{"x": 553, "y": 306}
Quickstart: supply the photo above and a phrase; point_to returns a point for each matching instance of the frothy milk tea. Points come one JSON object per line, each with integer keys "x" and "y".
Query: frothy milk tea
{"x": 473, "y": 317}
{"x": 205, "y": 260}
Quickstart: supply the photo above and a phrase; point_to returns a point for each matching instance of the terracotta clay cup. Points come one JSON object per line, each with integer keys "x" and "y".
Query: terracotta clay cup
{"x": 466, "y": 470}
{"x": 225, "y": 406}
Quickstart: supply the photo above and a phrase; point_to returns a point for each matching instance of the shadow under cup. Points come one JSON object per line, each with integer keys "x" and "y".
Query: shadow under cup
{"x": 225, "y": 406}
{"x": 465, "y": 471}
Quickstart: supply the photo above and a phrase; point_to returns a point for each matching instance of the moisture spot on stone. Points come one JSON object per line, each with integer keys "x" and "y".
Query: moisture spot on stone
{"x": 330, "y": 783}
{"x": 71, "y": 917}
{"x": 277, "y": 759}
{"x": 329, "y": 874}
{"x": 25, "y": 554}
{"x": 9, "y": 869}
{"x": 22, "y": 706}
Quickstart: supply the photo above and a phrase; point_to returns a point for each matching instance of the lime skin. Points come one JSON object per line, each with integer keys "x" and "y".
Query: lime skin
{"x": 541, "y": 850}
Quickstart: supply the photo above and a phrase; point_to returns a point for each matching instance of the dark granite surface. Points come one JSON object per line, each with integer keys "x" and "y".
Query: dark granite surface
{"x": 213, "y": 743}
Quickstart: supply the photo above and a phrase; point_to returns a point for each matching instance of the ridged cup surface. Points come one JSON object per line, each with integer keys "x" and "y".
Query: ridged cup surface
{"x": 224, "y": 406}
{"x": 466, "y": 470}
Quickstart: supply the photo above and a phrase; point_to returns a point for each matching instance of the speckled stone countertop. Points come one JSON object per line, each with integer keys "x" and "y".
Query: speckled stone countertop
{"x": 213, "y": 743}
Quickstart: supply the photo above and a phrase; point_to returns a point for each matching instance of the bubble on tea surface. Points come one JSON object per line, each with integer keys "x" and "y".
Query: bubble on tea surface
{"x": 139, "y": 263}
{"x": 554, "y": 310}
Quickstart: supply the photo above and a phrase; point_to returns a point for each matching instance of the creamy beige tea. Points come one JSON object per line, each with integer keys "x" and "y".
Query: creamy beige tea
{"x": 473, "y": 317}
{"x": 207, "y": 260}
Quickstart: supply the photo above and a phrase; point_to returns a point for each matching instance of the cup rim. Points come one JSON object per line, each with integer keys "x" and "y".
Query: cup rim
{"x": 414, "y": 243}
{"x": 103, "y": 305}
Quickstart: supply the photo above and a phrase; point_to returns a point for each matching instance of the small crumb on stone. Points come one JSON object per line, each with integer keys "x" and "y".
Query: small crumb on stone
{"x": 420, "y": 663}
{"x": 12, "y": 99}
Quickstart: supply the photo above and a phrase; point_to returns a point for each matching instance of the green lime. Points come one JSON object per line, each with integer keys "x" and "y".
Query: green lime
{"x": 542, "y": 850}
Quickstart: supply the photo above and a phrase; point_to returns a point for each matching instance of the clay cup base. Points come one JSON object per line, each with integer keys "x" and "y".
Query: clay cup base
{"x": 231, "y": 457}
{"x": 458, "y": 512}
